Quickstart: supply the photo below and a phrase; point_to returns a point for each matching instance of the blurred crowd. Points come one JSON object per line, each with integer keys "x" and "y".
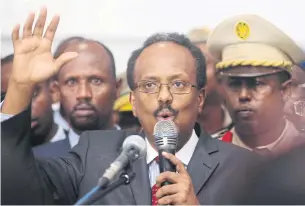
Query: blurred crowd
{"x": 88, "y": 94}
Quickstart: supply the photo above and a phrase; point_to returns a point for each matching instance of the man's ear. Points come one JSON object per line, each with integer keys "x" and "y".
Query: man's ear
{"x": 54, "y": 90}
{"x": 201, "y": 99}
{"x": 286, "y": 90}
{"x": 118, "y": 87}
{"x": 133, "y": 103}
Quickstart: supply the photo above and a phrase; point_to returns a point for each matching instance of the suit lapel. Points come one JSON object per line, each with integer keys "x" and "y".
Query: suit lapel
{"x": 140, "y": 186}
{"x": 202, "y": 165}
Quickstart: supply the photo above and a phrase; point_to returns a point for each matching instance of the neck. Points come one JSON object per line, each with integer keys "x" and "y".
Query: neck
{"x": 264, "y": 138}
{"x": 52, "y": 132}
{"x": 212, "y": 118}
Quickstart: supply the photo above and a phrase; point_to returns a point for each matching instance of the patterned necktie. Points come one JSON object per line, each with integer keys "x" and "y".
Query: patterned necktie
{"x": 154, "y": 189}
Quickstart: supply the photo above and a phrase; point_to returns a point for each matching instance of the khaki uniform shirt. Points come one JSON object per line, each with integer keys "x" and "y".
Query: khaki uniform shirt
{"x": 289, "y": 139}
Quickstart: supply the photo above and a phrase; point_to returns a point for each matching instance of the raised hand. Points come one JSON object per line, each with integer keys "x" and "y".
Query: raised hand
{"x": 33, "y": 60}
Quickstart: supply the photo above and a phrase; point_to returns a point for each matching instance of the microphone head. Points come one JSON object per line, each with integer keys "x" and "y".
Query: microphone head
{"x": 166, "y": 134}
{"x": 135, "y": 142}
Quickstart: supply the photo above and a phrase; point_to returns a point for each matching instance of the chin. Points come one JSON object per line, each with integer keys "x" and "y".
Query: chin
{"x": 85, "y": 125}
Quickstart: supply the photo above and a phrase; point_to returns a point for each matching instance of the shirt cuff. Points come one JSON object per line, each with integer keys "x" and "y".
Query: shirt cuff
{"x": 5, "y": 116}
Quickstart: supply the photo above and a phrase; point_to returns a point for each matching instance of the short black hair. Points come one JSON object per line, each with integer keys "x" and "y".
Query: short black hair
{"x": 77, "y": 39}
{"x": 7, "y": 59}
{"x": 176, "y": 38}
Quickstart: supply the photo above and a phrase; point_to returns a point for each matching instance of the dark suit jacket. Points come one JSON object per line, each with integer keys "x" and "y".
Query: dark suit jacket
{"x": 218, "y": 170}
{"x": 59, "y": 148}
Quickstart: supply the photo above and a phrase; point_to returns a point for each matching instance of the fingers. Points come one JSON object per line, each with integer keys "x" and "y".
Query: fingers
{"x": 167, "y": 190}
{"x": 15, "y": 33}
{"x": 41, "y": 20}
{"x": 179, "y": 165}
{"x": 167, "y": 176}
{"x": 50, "y": 32}
{"x": 64, "y": 58}
{"x": 27, "y": 28}
{"x": 169, "y": 200}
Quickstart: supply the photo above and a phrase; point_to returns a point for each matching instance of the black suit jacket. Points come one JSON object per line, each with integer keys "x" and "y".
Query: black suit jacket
{"x": 59, "y": 148}
{"x": 218, "y": 170}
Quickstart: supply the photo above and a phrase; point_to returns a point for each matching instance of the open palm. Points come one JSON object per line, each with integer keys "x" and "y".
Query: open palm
{"x": 33, "y": 60}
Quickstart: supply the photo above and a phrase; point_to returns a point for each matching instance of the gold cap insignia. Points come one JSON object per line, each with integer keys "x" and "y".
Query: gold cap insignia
{"x": 242, "y": 30}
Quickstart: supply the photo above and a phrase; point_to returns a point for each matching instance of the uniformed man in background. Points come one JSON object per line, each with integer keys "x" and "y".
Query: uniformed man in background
{"x": 255, "y": 59}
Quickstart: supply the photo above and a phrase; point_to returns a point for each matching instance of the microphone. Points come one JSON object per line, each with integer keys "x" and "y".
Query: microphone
{"x": 134, "y": 147}
{"x": 166, "y": 138}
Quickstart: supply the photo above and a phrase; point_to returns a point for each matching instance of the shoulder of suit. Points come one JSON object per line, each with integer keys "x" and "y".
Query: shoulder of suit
{"x": 234, "y": 151}
{"x": 106, "y": 139}
{"x": 101, "y": 134}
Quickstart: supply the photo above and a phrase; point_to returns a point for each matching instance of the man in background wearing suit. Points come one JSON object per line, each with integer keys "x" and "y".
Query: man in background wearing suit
{"x": 87, "y": 89}
{"x": 167, "y": 79}
{"x": 58, "y": 111}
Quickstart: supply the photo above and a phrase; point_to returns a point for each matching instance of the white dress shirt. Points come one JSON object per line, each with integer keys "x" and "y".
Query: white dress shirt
{"x": 184, "y": 155}
{"x": 58, "y": 118}
{"x": 73, "y": 138}
{"x": 59, "y": 135}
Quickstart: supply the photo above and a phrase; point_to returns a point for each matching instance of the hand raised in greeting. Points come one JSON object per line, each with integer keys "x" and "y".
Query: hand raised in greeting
{"x": 33, "y": 60}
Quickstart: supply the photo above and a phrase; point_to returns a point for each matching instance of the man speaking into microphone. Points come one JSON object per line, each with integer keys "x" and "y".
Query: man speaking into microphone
{"x": 167, "y": 77}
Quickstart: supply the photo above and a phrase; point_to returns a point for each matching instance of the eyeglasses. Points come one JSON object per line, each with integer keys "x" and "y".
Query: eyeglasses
{"x": 299, "y": 107}
{"x": 175, "y": 87}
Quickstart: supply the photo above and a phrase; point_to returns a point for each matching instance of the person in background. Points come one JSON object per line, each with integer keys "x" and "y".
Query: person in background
{"x": 123, "y": 109}
{"x": 254, "y": 70}
{"x": 43, "y": 128}
{"x": 87, "y": 90}
{"x": 214, "y": 117}
{"x": 295, "y": 106}
{"x": 58, "y": 118}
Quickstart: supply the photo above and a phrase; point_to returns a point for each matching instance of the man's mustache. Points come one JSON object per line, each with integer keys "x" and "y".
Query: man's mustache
{"x": 166, "y": 107}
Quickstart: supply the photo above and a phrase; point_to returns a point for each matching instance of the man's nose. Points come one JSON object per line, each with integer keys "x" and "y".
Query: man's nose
{"x": 165, "y": 96}
{"x": 84, "y": 91}
{"x": 244, "y": 93}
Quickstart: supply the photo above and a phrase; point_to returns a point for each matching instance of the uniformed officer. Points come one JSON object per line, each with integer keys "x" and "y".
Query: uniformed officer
{"x": 254, "y": 61}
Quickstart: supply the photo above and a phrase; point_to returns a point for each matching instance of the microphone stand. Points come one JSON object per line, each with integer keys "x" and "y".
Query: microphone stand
{"x": 92, "y": 196}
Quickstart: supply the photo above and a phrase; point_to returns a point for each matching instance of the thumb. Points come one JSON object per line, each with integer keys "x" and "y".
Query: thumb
{"x": 64, "y": 58}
